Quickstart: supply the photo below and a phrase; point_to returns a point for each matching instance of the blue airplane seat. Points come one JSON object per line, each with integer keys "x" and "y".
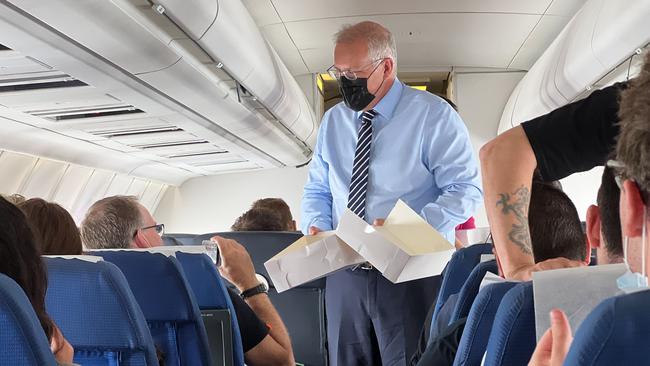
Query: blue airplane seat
{"x": 614, "y": 333}
{"x": 302, "y": 308}
{"x": 458, "y": 270}
{"x": 22, "y": 338}
{"x": 95, "y": 309}
{"x": 512, "y": 339}
{"x": 211, "y": 293}
{"x": 168, "y": 304}
{"x": 479, "y": 324}
{"x": 470, "y": 289}
{"x": 180, "y": 239}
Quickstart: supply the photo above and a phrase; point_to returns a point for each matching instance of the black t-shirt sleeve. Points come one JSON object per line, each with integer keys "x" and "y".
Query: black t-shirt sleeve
{"x": 577, "y": 136}
{"x": 252, "y": 329}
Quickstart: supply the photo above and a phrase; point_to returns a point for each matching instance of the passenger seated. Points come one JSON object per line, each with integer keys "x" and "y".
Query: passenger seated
{"x": 555, "y": 231}
{"x": 632, "y": 174}
{"x": 20, "y": 260}
{"x": 604, "y": 222}
{"x": 54, "y": 228}
{"x": 15, "y": 198}
{"x": 281, "y": 208}
{"x": 259, "y": 219}
{"x": 122, "y": 222}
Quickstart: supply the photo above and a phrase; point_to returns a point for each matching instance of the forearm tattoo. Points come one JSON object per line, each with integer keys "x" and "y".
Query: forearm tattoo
{"x": 517, "y": 203}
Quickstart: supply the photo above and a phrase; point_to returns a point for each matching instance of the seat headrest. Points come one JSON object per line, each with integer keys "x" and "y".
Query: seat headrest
{"x": 614, "y": 333}
{"x": 21, "y": 335}
{"x": 479, "y": 323}
{"x": 95, "y": 308}
{"x": 83, "y": 257}
{"x": 512, "y": 339}
{"x": 470, "y": 289}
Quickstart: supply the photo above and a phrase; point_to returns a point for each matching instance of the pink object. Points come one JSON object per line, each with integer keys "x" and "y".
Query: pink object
{"x": 468, "y": 225}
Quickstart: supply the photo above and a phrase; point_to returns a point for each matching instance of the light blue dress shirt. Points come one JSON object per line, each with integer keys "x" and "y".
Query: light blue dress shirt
{"x": 420, "y": 153}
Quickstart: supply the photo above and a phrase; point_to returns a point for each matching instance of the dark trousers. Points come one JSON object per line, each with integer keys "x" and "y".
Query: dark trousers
{"x": 371, "y": 321}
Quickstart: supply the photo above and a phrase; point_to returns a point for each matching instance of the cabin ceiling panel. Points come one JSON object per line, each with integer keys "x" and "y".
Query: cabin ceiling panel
{"x": 298, "y": 10}
{"x": 565, "y": 8}
{"x": 488, "y": 40}
{"x": 541, "y": 37}
{"x": 277, "y": 35}
{"x": 263, "y": 12}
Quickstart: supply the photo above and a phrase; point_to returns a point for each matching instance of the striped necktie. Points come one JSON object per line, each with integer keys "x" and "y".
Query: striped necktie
{"x": 359, "y": 181}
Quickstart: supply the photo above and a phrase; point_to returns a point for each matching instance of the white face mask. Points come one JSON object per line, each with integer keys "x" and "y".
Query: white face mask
{"x": 633, "y": 281}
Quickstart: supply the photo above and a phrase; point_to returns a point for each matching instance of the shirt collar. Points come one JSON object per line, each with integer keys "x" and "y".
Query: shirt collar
{"x": 387, "y": 104}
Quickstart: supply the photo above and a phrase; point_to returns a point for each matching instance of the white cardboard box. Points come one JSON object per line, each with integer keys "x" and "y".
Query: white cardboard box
{"x": 310, "y": 258}
{"x": 405, "y": 248}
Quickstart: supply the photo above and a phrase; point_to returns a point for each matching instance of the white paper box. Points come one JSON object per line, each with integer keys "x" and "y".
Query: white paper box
{"x": 310, "y": 258}
{"x": 405, "y": 248}
{"x": 576, "y": 291}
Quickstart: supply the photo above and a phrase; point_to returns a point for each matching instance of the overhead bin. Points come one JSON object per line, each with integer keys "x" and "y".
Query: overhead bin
{"x": 234, "y": 40}
{"x": 174, "y": 49}
{"x": 601, "y": 36}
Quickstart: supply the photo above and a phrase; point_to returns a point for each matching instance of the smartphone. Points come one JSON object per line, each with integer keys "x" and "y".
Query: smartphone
{"x": 212, "y": 250}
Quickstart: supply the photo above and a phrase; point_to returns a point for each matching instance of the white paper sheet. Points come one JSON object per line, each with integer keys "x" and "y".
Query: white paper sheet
{"x": 576, "y": 291}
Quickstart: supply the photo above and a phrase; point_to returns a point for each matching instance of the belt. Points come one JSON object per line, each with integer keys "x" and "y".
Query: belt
{"x": 366, "y": 266}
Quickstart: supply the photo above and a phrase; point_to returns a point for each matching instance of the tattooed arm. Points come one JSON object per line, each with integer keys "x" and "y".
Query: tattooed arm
{"x": 507, "y": 166}
{"x": 508, "y": 163}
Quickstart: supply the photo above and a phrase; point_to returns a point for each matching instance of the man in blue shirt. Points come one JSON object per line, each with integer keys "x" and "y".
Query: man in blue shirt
{"x": 385, "y": 142}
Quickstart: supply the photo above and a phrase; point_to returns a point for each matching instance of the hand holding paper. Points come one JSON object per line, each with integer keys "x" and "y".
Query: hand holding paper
{"x": 402, "y": 247}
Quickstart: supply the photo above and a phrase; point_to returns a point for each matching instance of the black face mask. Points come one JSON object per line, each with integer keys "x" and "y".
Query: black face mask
{"x": 355, "y": 93}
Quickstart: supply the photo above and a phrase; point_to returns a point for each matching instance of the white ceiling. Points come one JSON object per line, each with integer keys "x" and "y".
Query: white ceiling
{"x": 430, "y": 35}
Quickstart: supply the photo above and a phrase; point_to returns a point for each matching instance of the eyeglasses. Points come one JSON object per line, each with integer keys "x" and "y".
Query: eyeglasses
{"x": 160, "y": 228}
{"x": 350, "y": 74}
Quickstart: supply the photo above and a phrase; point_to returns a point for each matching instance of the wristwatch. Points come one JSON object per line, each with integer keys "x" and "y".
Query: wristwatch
{"x": 259, "y": 289}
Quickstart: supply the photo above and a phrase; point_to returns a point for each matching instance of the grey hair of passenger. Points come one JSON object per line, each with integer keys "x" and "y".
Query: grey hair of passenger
{"x": 381, "y": 43}
{"x": 111, "y": 223}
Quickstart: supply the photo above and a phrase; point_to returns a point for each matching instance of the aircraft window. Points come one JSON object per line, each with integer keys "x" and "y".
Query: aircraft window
{"x": 71, "y": 185}
{"x": 20, "y": 167}
{"x": 152, "y": 195}
{"x": 94, "y": 190}
{"x": 43, "y": 179}
{"x": 137, "y": 188}
{"x": 119, "y": 185}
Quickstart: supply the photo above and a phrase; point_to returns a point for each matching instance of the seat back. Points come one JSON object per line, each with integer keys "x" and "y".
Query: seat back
{"x": 179, "y": 239}
{"x": 95, "y": 309}
{"x": 458, "y": 270}
{"x": 161, "y": 290}
{"x": 479, "y": 323}
{"x": 21, "y": 335}
{"x": 211, "y": 293}
{"x": 302, "y": 308}
{"x": 512, "y": 339}
{"x": 614, "y": 333}
{"x": 470, "y": 289}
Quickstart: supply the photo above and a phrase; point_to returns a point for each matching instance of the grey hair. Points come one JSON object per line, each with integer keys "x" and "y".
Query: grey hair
{"x": 381, "y": 43}
{"x": 111, "y": 223}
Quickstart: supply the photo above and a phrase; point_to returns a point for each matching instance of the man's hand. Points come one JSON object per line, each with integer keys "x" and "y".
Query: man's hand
{"x": 236, "y": 264}
{"x": 379, "y": 222}
{"x": 525, "y": 273}
{"x": 313, "y": 230}
{"x": 555, "y": 343}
